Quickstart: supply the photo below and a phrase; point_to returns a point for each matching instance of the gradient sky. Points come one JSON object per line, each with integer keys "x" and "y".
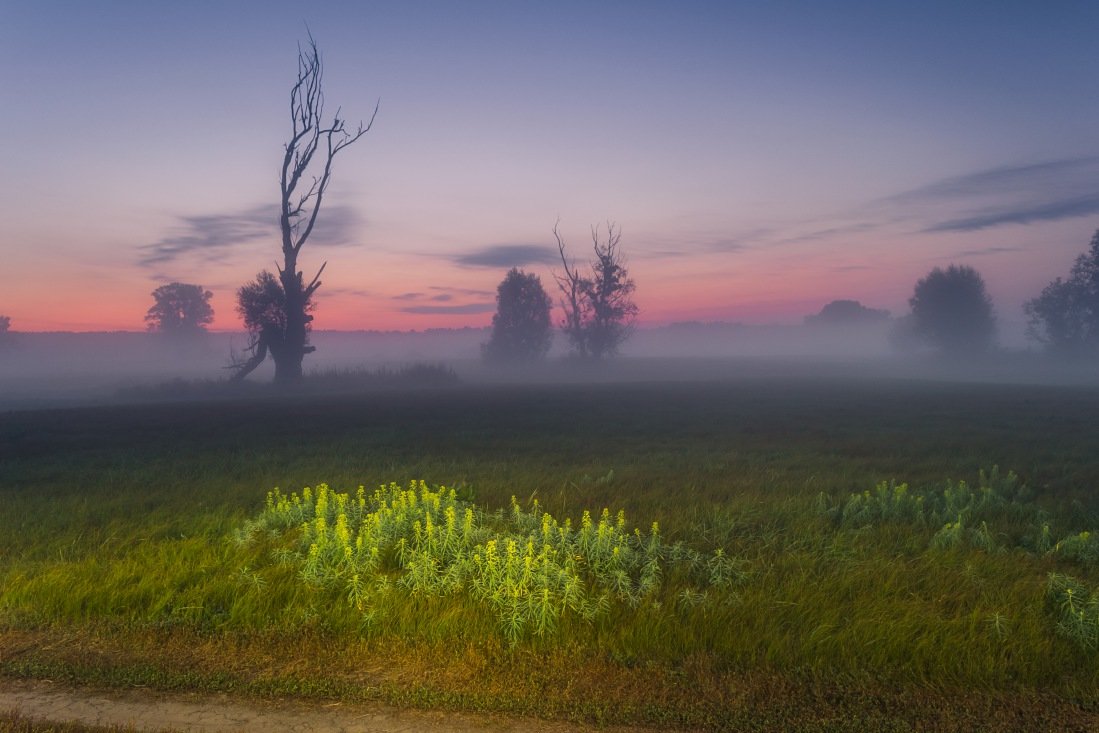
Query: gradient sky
{"x": 761, "y": 159}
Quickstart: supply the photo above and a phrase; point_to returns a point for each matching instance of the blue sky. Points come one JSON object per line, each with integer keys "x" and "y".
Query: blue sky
{"x": 761, "y": 158}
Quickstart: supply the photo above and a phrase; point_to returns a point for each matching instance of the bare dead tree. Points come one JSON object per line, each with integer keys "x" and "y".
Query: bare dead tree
{"x": 574, "y": 303}
{"x": 303, "y": 181}
{"x": 599, "y": 308}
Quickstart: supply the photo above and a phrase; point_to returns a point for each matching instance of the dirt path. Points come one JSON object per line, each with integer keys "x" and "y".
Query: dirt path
{"x": 149, "y": 710}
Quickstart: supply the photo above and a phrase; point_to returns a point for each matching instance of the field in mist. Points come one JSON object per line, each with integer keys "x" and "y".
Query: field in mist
{"x": 784, "y": 588}
{"x": 67, "y": 369}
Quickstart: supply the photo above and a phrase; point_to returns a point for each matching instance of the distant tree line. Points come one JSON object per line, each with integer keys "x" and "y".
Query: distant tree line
{"x": 952, "y": 312}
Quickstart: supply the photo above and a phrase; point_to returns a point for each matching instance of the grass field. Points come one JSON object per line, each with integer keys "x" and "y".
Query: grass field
{"x": 122, "y": 559}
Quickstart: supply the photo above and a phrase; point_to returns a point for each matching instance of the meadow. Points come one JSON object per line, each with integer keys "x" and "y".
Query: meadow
{"x": 802, "y": 554}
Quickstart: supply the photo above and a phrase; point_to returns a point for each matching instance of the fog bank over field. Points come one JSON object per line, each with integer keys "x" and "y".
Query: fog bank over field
{"x": 57, "y": 369}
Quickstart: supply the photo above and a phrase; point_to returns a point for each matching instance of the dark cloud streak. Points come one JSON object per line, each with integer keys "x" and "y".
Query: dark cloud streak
{"x": 506, "y": 256}
{"x": 1004, "y": 179}
{"x": 984, "y": 251}
{"x": 1019, "y": 194}
{"x": 211, "y": 236}
{"x": 464, "y": 309}
{"x": 1050, "y": 211}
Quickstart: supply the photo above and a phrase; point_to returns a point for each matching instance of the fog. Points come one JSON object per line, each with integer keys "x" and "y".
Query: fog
{"x": 62, "y": 369}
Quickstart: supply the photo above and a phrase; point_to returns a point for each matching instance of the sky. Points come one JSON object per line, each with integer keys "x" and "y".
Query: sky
{"x": 761, "y": 159}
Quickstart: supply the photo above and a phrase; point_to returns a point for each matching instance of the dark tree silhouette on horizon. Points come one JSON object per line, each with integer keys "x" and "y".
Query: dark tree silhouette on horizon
{"x": 303, "y": 181}
{"x": 5, "y": 324}
{"x": 951, "y": 310}
{"x": 521, "y": 328}
{"x": 1065, "y": 317}
{"x": 599, "y": 308}
{"x": 180, "y": 310}
{"x": 846, "y": 313}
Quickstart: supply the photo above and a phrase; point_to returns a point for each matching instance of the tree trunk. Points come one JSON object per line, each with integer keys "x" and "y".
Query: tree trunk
{"x": 288, "y": 370}
{"x": 293, "y": 349}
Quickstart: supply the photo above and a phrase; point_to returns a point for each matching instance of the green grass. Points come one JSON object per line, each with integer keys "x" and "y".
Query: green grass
{"x": 118, "y": 530}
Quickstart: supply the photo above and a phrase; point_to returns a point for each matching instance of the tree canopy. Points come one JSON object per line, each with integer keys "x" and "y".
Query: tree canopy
{"x": 521, "y": 328}
{"x": 261, "y": 304}
{"x": 180, "y": 309}
{"x": 1065, "y": 317}
{"x": 951, "y": 310}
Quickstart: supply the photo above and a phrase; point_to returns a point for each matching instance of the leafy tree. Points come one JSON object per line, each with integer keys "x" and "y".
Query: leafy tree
{"x": 303, "y": 181}
{"x": 846, "y": 313}
{"x": 1065, "y": 317}
{"x": 599, "y": 308}
{"x": 521, "y": 329}
{"x": 262, "y": 306}
{"x": 180, "y": 309}
{"x": 952, "y": 311}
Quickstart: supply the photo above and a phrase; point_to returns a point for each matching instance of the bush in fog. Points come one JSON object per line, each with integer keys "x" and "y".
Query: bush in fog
{"x": 1065, "y": 317}
{"x": 180, "y": 309}
{"x": 951, "y": 310}
{"x": 847, "y": 313}
{"x": 521, "y": 329}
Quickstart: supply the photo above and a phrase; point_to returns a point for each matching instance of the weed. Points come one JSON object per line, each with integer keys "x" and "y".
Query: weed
{"x": 528, "y": 568}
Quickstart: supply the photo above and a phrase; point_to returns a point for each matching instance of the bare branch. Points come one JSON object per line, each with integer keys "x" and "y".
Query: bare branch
{"x": 242, "y": 368}
{"x": 316, "y": 282}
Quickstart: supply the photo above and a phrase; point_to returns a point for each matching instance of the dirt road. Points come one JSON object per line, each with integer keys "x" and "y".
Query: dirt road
{"x": 149, "y": 710}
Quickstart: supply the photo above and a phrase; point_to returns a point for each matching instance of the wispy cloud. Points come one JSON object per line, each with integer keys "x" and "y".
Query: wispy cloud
{"x": 1006, "y": 179}
{"x": 354, "y": 292}
{"x": 830, "y": 232}
{"x": 461, "y": 291}
{"x": 1049, "y": 211}
{"x": 213, "y": 236}
{"x": 439, "y": 300}
{"x": 463, "y": 309}
{"x": 507, "y": 256}
{"x": 984, "y": 251}
{"x": 692, "y": 243}
{"x": 1010, "y": 194}
{"x": 1019, "y": 194}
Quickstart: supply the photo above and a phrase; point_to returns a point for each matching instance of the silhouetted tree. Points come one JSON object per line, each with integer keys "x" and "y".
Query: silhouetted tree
{"x": 521, "y": 329}
{"x": 952, "y": 311}
{"x": 5, "y": 324}
{"x": 303, "y": 180}
{"x": 599, "y": 308}
{"x": 180, "y": 310}
{"x": 1065, "y": 317}
{"x": 573, "y": 302}
{"x": 262, "y": 306}
{"x": 846, "y": 313}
